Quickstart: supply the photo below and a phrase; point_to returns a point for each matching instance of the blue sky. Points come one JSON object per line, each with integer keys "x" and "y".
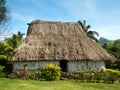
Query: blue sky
{"x": 102, "y": 15}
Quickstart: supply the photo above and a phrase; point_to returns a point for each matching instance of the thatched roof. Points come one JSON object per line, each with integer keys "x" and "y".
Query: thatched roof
{"x": 58, "y": 41}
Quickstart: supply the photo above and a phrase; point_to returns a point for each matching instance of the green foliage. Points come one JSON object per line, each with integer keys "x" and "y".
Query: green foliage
{"x": 14, "y": 75}
{"x": 99, "y": 75}
{"x": 5, "y": 49}
{"x": 8, "y": 46}
{"x": 3, "y": 57}
{"x": 34, "y": 75}
{"x": 25, "y": 65}
{"x": 3, "y": 60}
{"x": 88, "y": 32}
{"x": 2, "y": 48}
{"x": 112, "y": 75}
{"x": 1, "y": 71}
{"x": 24, "y": 73}
{"x": 15, "y": 40}
{"x": 117, "y": 65}
{"x": 51, "y": 72}
{"x": 27, "y": 75}
{"x": 114, "y": 49}
{"x": 3, "y": 11}
{"x": 107, "y": 76}
{"x": 4, "y": 17}
{"x": 8, "y": 64}
{"x": 9, "y": 67}
{"x": 82, "y": 75}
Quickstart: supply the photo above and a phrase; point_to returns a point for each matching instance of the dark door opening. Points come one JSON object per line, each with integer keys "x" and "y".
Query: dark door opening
{"x": 63, "y": 65}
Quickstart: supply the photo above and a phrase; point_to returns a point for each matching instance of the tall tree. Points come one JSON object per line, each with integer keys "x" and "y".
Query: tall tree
{"x": 15, "y": 40}
{"x": 3, "y": 18}
{"x": 89, "y": 33}
{"x": 5, "y": 49}
{"x": 10, "y": 44}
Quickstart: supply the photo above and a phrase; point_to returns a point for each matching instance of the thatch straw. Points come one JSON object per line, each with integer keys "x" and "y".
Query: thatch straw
{"x": 58, "y": 41}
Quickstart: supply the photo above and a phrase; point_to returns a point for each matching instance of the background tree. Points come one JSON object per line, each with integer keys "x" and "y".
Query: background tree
{"x": 89, "y": 33}
{"x": 15, "y": 40}
{"x": 114, "y": 49}
{"x": 3, "y": 18}
{"x": 10, "y": 44}
{"x": 7, "y": 47}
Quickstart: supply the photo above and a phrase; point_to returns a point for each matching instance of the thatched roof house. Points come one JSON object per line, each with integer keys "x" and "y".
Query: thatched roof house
{"x": 62, "y": 43}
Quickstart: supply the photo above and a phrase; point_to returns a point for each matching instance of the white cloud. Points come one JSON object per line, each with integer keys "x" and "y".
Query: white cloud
{"x": 18, "y": 16}
{"x": 110, "y": 32}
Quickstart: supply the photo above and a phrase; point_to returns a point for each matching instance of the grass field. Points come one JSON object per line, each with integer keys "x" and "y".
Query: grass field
{"x": 15, "y": 84}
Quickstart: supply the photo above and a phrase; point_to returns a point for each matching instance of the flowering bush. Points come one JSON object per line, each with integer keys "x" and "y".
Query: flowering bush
{"x": 113, "y": 75}
{"x": 51, "y": 72}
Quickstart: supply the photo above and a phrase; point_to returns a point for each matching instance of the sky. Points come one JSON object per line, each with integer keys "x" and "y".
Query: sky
{"x": 102, "y": 15}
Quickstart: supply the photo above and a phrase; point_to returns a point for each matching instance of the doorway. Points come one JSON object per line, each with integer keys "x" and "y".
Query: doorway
{"x": 63, "y": 65}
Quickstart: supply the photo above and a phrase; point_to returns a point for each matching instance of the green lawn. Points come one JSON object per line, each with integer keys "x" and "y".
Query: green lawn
{"x": 15, "y": 84}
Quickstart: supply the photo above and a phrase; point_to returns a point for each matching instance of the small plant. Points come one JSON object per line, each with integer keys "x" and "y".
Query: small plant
{"x": 51, "y": 72}
{"x": 25, "y": 71}
{"x": 33, "y": 75}
{"x": 25, "y": 65}
{"x": 82, "y": 75}
{"x": 13, "y": 76}
{"x": 90, "y": 75}
{"x": 99, "y": 75}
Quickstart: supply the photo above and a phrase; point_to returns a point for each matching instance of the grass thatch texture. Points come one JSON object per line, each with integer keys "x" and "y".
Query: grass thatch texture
{"x": 58, "y": 41}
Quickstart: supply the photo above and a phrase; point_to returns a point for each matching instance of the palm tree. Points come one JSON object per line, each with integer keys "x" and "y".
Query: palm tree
{"x": 5, "y": 49}
{"x": 15, "y": 40}
{"x": 2, "y": 48}
{"x": 89, "y": 33}
{"x": 12, "y": 43}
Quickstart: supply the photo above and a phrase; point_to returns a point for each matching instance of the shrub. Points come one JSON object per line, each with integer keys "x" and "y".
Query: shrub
{"x": 82, "y": 75}
{"x": 8, "y": 64}
{"x": 112, "y": 75}
{"x": 25, "y": 65}
{"x": 99, "y": 75}
{"x": 13, "y": 76}
{"x": 89, "y": 76}
{"x": 34, "y": 75}
{"x": 3, "y": 60}
{"x": 9, "y": 67}
{"x": 51, "y": 72}
{"x": 3, "y": 57}
{"x": 1, "y": 71}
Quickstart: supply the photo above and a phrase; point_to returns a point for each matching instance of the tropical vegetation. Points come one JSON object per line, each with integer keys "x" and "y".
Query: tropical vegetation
{"x": 7, "y": 47}
{"x": 51, "y": 72}
{"x": 85, "y": 27}
{"x": 4, "y": 17}
{"x": 10, "y": 44}
{"x": 112, "y": 47}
